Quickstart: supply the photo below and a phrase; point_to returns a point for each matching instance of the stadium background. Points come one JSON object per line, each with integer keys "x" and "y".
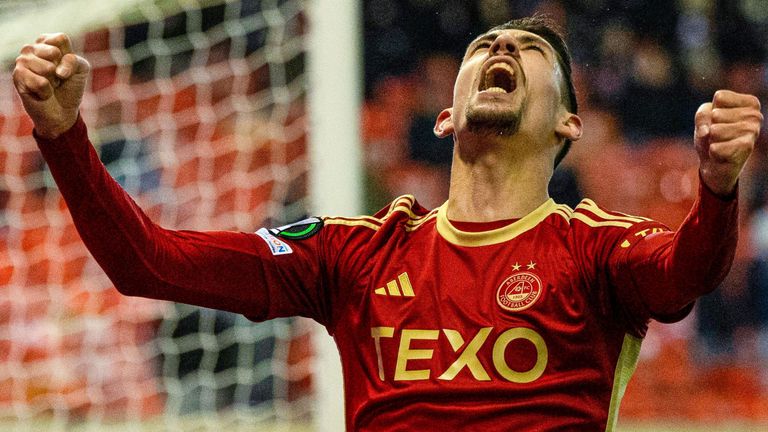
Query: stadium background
{"x": 198, "y": 108}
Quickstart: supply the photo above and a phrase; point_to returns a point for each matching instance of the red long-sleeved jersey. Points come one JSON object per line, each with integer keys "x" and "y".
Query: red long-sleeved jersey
{"x": 532, "y": 326}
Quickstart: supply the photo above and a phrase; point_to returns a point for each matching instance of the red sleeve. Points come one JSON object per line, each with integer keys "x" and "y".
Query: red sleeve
{"x": 233, "y": 271}
{"x": 658, "y": 274}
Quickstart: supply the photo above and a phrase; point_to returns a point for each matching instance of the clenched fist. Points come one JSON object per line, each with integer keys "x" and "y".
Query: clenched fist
{"x": 51, "y": 81}
{"x": 726, "y": 131}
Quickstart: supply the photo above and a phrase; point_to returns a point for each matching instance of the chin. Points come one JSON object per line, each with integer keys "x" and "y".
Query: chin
{"x": 492, "y": 122}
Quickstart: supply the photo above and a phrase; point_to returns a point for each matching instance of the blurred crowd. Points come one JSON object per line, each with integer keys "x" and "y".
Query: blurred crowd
{"x": 641, "y": 69}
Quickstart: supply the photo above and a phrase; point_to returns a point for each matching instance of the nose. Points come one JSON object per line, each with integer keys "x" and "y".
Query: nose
{"x": 504, "y": 44}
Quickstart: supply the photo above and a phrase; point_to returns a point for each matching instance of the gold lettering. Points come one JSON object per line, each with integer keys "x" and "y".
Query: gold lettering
{"x": 405, "y": 353}
{"x": 500, "y": 348}
{"x": 467, "y": 358}
{"x": 377, "y": 333}
{"x": 642, "y": 233}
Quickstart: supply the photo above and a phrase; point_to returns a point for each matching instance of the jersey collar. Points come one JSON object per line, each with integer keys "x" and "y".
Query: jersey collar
{"x": 500, "y": 235}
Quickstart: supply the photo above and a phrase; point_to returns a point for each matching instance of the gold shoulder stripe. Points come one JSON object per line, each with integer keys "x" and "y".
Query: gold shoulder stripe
{"x": 404, "y": 207}
{"x": 352, "y": 222}
{"x": 645, "y": 219}
{"x": 591, "y": 206}
{"x": 565, "y": 209}
{"x": 565, "y": 215}
{"x": 365, "y": 221}
{"x": 421, "y": 222}
{"x": 418, "y": 220}
{"x": 409, "y": 200}
{"x": 353, "y": 218}
{"x": 593, "y": 223}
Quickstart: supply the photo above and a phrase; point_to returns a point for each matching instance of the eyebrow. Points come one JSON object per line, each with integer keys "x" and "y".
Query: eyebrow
{"x": 526, "y": 39}
{"x": 482, "y": 38}
{"x": 523, "y": 39}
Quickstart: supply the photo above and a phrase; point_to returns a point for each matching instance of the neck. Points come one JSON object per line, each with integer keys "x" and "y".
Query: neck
{"x": 493, "y": 185}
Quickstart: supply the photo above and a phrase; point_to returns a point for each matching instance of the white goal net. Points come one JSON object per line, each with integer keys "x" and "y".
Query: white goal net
{"x": 198, "y": 109}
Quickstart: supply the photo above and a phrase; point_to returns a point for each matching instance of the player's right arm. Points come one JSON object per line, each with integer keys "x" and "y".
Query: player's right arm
{"x": 224, "y": 270}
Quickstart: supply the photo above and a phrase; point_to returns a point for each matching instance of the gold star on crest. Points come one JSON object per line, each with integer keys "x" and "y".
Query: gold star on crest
{"x": 531, "y": 265}
{"x": 516, "y": 267}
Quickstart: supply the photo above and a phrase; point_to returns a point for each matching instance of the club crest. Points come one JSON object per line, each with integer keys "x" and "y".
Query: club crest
{"x": 519, "y": 291}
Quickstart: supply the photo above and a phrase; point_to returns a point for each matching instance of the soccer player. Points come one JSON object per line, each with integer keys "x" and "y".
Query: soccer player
{"x": 500, "y": 310}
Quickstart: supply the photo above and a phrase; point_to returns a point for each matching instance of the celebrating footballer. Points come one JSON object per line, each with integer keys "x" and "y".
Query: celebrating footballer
{"x": 500, "y": 310}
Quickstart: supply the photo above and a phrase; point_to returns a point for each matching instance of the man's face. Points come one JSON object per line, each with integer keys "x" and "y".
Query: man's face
{"x": 509, "y": 81}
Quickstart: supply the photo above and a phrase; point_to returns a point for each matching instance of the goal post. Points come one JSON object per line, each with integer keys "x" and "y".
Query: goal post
{"x": 213, "y": 114}
{"x": 335, "y": 97}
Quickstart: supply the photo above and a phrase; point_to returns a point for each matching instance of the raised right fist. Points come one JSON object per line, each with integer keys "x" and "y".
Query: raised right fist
{"x": 51, "y": 81}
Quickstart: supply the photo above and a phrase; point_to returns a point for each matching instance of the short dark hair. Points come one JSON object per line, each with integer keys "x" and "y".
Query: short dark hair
{"x": 548, "y": 30}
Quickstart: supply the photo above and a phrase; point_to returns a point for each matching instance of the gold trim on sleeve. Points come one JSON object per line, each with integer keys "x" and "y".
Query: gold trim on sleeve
{"x": 625, "y": 368}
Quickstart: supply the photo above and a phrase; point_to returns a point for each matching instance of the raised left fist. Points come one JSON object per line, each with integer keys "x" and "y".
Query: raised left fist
{"x": 726, "y": 131}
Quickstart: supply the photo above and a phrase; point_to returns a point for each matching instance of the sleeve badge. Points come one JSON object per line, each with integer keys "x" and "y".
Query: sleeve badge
{"x": 300, "y": 230}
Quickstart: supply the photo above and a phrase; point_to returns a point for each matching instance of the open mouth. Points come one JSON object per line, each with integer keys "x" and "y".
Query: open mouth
{"x": 499, "y": 78}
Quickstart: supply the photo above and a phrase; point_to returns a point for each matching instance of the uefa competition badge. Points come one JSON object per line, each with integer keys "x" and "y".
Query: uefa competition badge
{"x": 519, "y": 291}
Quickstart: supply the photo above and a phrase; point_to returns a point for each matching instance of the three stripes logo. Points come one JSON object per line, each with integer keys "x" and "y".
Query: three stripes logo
{"x": 400, "y": 287}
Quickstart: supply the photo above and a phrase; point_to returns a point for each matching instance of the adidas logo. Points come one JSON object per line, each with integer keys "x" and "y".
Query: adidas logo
{"x": 397, "y": 288}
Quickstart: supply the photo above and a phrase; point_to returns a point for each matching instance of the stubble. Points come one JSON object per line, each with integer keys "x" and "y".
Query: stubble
{"x": 492, "y": 122}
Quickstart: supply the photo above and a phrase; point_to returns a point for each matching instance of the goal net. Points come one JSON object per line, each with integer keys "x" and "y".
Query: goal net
{"x": 197, "y": 108}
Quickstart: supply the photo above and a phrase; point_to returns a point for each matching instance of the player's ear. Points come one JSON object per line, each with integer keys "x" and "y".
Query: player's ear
{"x": 444, "y": 123}
{"x": 569, "y": 126}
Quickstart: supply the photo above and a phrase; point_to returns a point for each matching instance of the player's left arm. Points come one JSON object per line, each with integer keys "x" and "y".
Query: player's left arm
{"x": 666, "y": 271}
{"x": 726, "y": 132}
